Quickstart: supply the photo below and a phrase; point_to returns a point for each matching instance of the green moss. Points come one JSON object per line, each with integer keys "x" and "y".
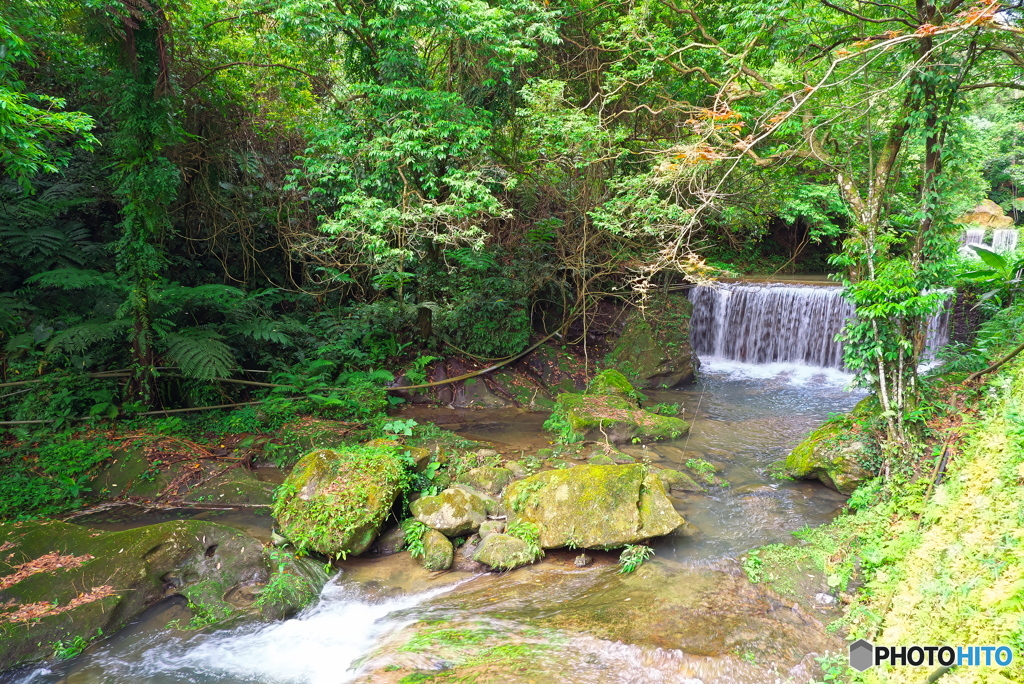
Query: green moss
{"x": 611, "y": 381}
{"x": 610, "y": 416}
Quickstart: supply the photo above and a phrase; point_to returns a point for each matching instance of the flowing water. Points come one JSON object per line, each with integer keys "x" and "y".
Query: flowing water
{"x": 1004, "y": 240}
{"x": 688, "y": 616}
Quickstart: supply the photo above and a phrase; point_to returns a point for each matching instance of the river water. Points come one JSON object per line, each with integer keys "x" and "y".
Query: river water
{"x": 689, "y": 616}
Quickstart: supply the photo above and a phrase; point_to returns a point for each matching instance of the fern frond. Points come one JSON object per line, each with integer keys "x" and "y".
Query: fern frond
{"x": 262, "y": 329}
{"x": 80, "y": 337}
{"x": 73, "y": 279}
{"x": 175, "y": 295}
{"x": 199, "y": 354}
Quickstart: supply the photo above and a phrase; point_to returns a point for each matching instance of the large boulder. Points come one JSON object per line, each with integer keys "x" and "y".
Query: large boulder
{"x": 334, "y": 502}
{"x": 839, "y": 453}
{"x": 610, "y": 417}
{"x": 59, "y": 581}
{"x": 593, "y": 506}
{"x": 454, "y": 512}
{"x": 654, "y": 349}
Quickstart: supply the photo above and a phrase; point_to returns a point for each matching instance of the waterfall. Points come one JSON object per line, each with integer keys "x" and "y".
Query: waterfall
{"x": 780, "y": 323}
{"x": 973, "y": 236}
{"x": 1004, "y": 240}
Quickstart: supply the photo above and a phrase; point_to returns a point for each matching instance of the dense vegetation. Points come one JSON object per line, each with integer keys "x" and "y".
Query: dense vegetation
{"x": 283, "y": 205}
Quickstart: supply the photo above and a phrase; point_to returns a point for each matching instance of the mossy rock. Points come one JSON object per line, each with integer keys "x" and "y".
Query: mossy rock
{"x": 612, "y": 382}
{"x": 334, "y": 502}
{"x": 504, "y": 552}
{"x": 597, "y": 506}
{"x": 487, "y": 479}
{"x": 235, "y": 486}
{"x": 94, "y": 580}
{"x": 837, "y": 452}
{"x": 600, "y": 459}
{"x": 454, "y": 512}
{"x": 675, "y": 480}
{"x": 612, "y": 417}
{"x": 654, "y": 349}
{"x": 438, "y": 552}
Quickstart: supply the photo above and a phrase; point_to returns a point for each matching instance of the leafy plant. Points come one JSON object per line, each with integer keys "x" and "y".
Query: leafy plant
{"x": 1003, "y": 275}
{"x": 633, "y": 556}
{"x": 414, "y": 531}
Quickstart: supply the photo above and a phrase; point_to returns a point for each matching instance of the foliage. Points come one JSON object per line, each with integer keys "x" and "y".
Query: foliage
{"x": 633, "y": 556}
{"x": 414, "y": 531}
{"x": 1004, "y": 275}
{"x": 529, "y": 533}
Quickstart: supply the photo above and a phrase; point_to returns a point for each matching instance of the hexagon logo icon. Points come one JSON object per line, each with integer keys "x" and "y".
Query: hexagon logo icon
{"x": 862, "y": 655}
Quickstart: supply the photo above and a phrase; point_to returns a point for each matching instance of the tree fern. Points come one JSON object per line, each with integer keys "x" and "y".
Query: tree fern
{"x": 262, "y": 329}
{"x": 200, "y": 354}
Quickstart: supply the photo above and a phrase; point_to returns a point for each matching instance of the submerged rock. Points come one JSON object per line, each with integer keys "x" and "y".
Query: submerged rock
{"x": 59, "y": 581}
{"x": 675, "y": 480}
{"x": 334, "y": 502}
{"x": 438, "y": 552}
{"x": 836, "y": 453}
{"x": 505, "y": 552}
{"x": 593, "y": 506}
{"x": 654, "y": 348}
{"x": 455, "y": 511}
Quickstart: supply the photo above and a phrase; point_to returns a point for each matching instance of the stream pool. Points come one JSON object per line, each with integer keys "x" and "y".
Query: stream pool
{"x": 688, "y": 616}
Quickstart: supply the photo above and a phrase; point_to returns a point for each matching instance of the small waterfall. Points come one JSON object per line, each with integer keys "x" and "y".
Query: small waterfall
{"x": 1004, "y": 240}
{"x": 973, "y": 236}
{"x": 780, "y": 323}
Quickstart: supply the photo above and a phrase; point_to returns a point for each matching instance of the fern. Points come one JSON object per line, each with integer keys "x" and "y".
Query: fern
{"x": 78, "y": 338}
{"x": 73, "y": 279}
{"x": 199, "y": 354}
{"x": 262, "y": 329}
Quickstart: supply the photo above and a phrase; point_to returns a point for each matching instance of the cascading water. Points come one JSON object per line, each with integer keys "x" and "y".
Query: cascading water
{"x": 973, "y": 236}
{"x": 778, "y": 323}
{"x": 1004, "y": 240}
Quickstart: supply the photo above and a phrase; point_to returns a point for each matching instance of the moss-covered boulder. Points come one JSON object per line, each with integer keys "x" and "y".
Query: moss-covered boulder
{"x": 610, "y": 417}
{"x": 504, "y": 552}
{"x": 454, "y": 512}
{"x": 654, "y": 347}
{"x": 334, "y": 502}
{"x": 593, "y": 506}
{"x": 839, "y": 453}
{"x": 59, "y": 581}
{"x": 487, "y": 479}
{"x": 438, "y": 552}
{"x": 612, "y": 382}
{"x": 236, "y": 486}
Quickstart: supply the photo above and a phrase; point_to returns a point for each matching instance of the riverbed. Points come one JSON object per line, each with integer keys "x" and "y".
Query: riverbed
{"x": 689, "y": 615}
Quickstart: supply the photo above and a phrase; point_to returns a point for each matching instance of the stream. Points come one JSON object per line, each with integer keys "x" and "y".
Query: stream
{"x": 689, "y": 615}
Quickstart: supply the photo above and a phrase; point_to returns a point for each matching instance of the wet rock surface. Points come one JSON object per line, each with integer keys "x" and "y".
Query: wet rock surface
{"x": 556, "y": 622}
{"x": 453, "y": 512}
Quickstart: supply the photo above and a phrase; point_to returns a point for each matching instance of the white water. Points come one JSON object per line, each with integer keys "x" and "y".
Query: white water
{"x": 1004, "y": 240}
{"x": 973, "y": 236}
{"x": 772, "y": 330}
{"x": 321, "y": 646}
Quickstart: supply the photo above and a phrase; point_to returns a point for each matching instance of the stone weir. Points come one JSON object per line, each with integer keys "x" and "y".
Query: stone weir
{"x": 764, "y": 323}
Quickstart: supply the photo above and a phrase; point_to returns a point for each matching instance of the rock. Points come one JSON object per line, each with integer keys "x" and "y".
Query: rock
{"x": 61, "y": 581}
{"x": 454, "y": 512}
{"x": 438, "y": 552}
{"x": 464, "y": 556}
{"x": 622, "y": 458}
{"x": 593, "y": 506}
{"x": 487, "y": 453}
{"x": 582, "y": 560}
{"x": 504, "y": 552}
{"x": 235, "y": 486}
{"x": 335, "y": 501}
{"x": 487, "y": 479}
{"x": 677, "y": 481}
{"x": 517, "y": 469}
{"x": 988, "y": 214}
{"x": 491, "y": 527}
{"x": 836, "y": 453}
{"x": 654, "y": 348}
{"x": 613, "y": 418}
{"x": 611, "y": 382}
{"x": 392, "y": 541}
{"x": 600, "y": 459}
